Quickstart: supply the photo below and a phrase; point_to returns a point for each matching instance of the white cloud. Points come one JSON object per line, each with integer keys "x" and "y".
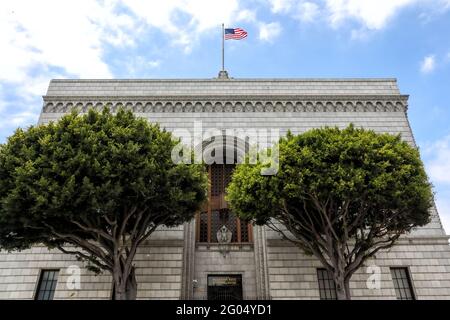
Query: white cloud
{"x": 72, "y": 35}
{"x": 246, "y": 15}
{"x": 428, "y": 64}
{"x": 280, "y": 6}
{"x": 185, "y": 20}
{"x": 437, "y": 156}
{"x": 269, "y": 31}
{"x": 140, "y": 66}
{"x": 372, "y": 14}
{"x": 307, "y": 11}
{"x": 443, "y": 206}
{"x": 59, "y": 34}
{"x": 40, "y": 40}
{"x": 45, "y": 39}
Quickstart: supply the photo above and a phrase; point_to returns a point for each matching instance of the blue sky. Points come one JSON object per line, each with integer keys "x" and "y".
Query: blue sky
{"x": 405, "y": 39}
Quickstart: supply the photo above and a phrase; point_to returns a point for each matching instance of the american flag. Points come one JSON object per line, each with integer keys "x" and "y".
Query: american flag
{"x": 235, "y": 34}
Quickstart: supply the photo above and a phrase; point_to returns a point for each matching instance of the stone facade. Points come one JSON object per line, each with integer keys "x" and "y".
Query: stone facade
{"x": 171, "y": 264}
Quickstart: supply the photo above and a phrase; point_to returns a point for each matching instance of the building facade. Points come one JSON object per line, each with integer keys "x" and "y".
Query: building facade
{"x": 189, "y": 262}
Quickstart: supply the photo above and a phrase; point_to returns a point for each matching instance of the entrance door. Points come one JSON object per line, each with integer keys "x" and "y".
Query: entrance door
{"x": 225, "y": 287}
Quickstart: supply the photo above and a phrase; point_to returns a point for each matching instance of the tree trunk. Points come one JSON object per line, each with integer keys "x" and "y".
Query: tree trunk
{"x": 125, "y": 286}
{"x": 342, "y": 289}
{"x": 341, "y": 281}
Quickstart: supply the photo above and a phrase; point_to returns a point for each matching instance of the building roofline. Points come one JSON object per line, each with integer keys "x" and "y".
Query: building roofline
{"x": 234, "y": 80}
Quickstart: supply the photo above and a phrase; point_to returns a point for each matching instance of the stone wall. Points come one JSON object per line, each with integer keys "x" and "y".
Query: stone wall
{"x": 159, "y": 269}
{"x": 210, "y": 261}
{"x": 293, "y": 275}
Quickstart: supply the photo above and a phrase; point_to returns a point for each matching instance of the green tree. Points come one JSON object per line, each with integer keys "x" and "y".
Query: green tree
{"x": 342, "y": 195}
{"x": 95, "y": 186}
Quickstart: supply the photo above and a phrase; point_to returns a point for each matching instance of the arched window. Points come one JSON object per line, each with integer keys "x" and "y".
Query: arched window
{"x": 216, "y": 212}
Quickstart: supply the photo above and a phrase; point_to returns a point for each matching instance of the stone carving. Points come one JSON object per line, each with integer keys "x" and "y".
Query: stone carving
{"x": 338, "y": 104}
{"x": 224, "y": 239}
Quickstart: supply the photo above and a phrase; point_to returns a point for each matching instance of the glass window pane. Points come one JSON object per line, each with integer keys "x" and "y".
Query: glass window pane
{"x": 327, "y": 287}
{"x": 402, "y": 284}
{"x": 47, "y": 285}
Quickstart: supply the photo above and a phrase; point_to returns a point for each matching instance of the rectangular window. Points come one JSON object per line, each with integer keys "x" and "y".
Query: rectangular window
{"x": 327, "y": 287}
{"x": 402, "y": 284}
{"x": 47, "y": 285}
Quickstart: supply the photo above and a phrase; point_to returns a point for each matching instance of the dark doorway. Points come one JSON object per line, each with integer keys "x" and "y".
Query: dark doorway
{"x": 225, "y": 287}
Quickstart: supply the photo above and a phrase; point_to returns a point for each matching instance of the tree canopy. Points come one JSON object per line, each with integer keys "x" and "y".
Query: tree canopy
{"x": 341, "y": 195}
{"x": 97, "y": 186}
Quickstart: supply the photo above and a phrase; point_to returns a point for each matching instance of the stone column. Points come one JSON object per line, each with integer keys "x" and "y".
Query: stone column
{"x": 188, "y": 260}
{"x": 262, "y": 276}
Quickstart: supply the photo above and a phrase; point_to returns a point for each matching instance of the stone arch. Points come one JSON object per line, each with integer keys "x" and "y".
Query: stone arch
{"x": 168, "y": 107}
{"x": 158, "y": 107}
{"x": 129, "y": 105}
{"x": 339, "y": 107}
{"x": 188, "y": 107}
{"x": 289, "y": 107}
{"x": 48, "y": 107}
{"x": 198, "y": 107}
{"x": 78, "y": 107}
{"x": 399, "y": 106}
{"x": 98, "y": 106}
{"x": 379, "y": 106}
{"x": 138, "y": 107}
{"x": 259, "y": 107}
{"x": 148, "y": 107}
{"x": 269, "y": 107}
{"x": 299, "y": 107}
{"x": 279, "y": 107}
{"x": 390, "y": 107}
{"x": 309, "y": 107}
{"x": 349, "y": 106}
{"x": 88, "y": 106}
{"x": 370, "y": 107}
{"x": 316, "y": 106}
{"x": 226, "y": 146}
{"x": 178, "y": 107}
{"x": 359, "y": 107}
{"x": 330, "y": 107}
{"x": 117, "y": 106}
{"x": 249, "y": 107}
{"x": 59, "y": 107}
{"x": 238, "y": 107}
{"x": 228, "y": 107}
{"x": 68, "y": 107}
{"x": 208, "y": 107}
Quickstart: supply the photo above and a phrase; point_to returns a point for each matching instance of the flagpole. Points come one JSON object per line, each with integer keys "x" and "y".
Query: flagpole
{"x": 223, "y": 47}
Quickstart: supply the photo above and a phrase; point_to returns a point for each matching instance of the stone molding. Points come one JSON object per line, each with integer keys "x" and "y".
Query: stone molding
{"x": 406, "y": 241}
{"x": 194, "y": 104}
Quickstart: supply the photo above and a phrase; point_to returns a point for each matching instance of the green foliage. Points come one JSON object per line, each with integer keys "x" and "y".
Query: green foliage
{"x": 92, "y": 171}
{"x": 357, "y": 178}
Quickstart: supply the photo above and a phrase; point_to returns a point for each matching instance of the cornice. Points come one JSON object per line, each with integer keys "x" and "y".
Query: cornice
{"x": 224, "y": 97}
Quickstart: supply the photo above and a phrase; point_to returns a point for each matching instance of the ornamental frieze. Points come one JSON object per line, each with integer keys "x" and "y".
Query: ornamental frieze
{"x": 366, "y": 104}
